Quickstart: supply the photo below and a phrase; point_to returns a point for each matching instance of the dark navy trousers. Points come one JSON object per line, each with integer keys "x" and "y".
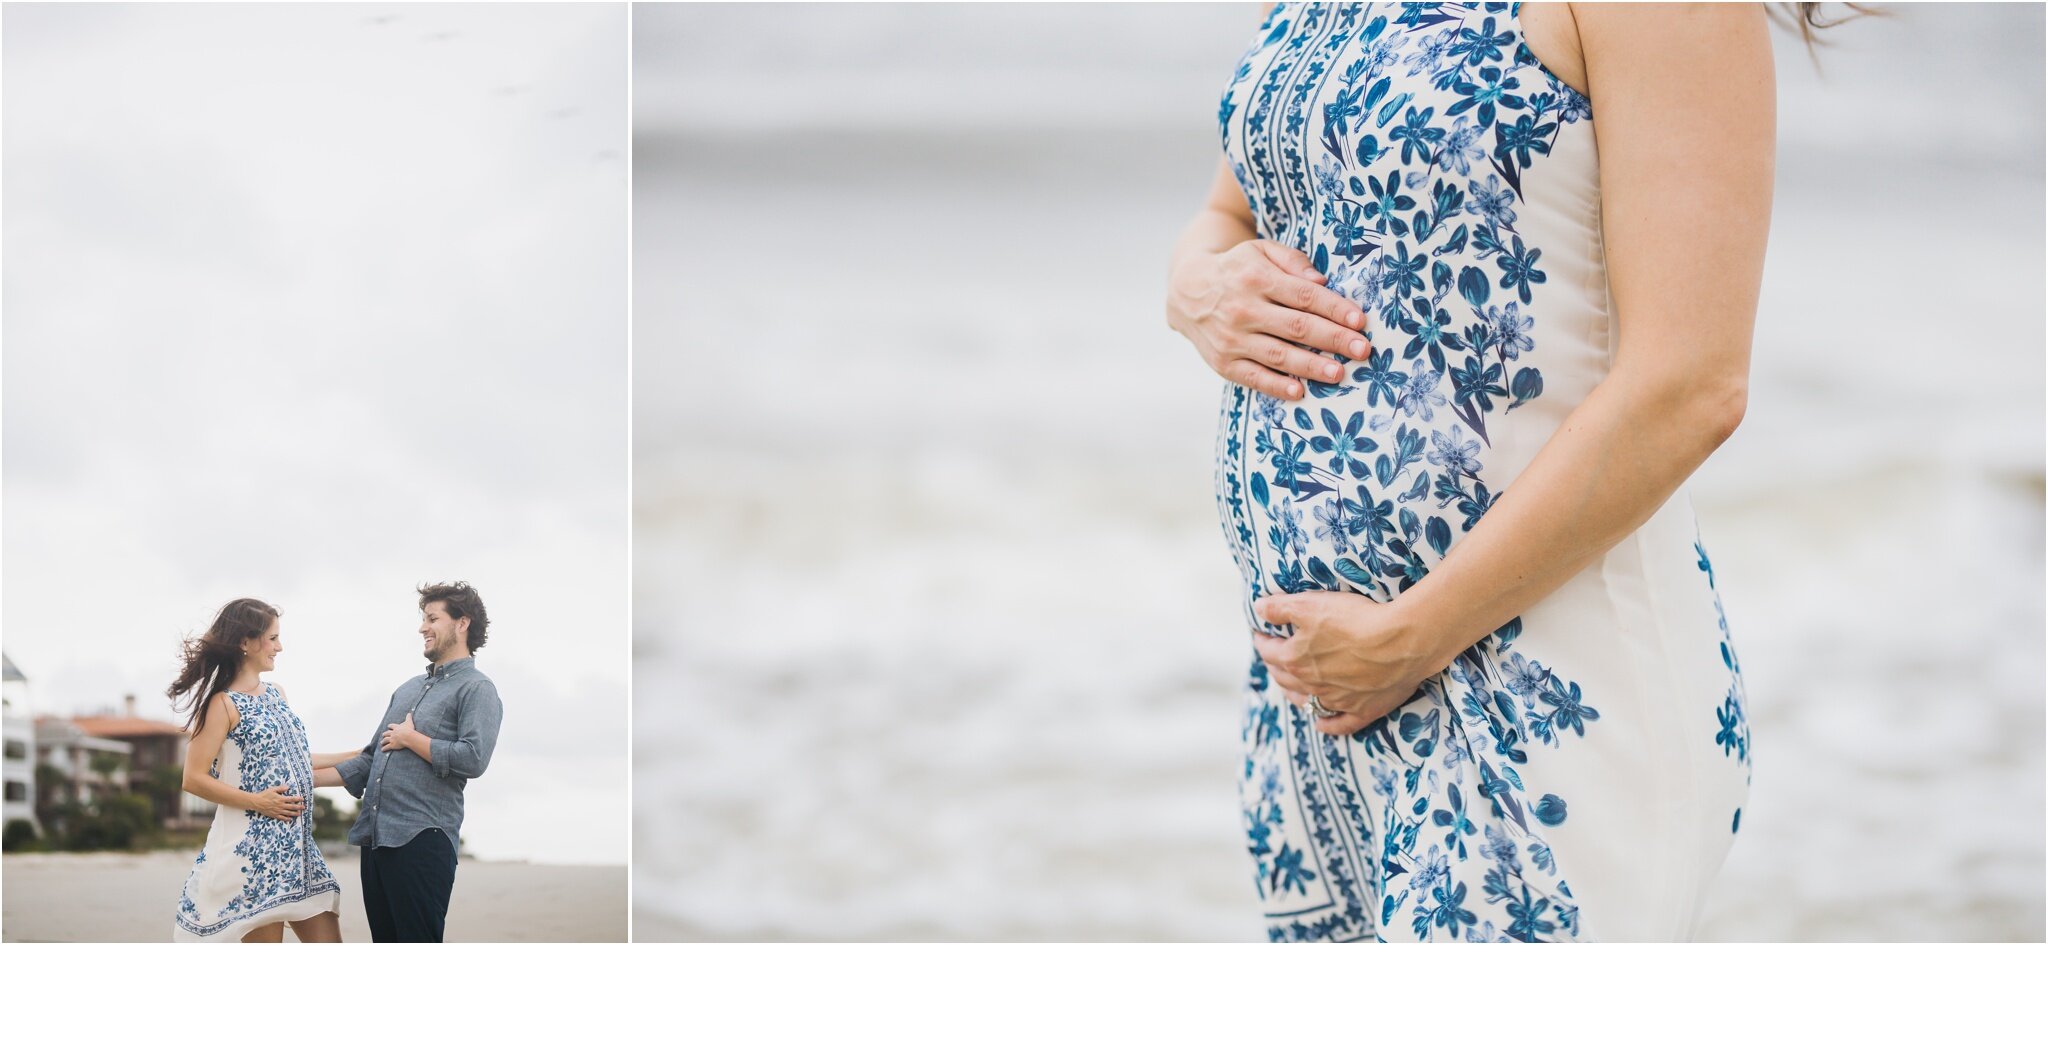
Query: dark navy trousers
{"x": 406, "y": 888}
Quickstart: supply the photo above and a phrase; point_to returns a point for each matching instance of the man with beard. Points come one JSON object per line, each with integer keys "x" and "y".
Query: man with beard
{"x": 437, "y": 734}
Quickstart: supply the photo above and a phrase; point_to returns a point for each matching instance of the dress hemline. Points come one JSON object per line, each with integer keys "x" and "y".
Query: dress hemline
{"x": 322, "y": 900}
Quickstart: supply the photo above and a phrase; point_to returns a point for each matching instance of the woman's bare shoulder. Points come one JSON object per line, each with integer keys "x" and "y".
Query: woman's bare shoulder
{"x": 1607, "y": 28}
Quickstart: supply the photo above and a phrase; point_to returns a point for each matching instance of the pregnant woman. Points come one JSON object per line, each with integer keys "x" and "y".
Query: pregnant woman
{"x": 260, "y": 869}
{"x": 1485, "y": 276}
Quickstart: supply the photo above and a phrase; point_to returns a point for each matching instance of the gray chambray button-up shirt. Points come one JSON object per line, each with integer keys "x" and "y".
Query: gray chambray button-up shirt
{"x": 403, "y": 794}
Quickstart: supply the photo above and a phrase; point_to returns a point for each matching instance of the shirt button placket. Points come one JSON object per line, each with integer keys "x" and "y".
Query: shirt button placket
{"x": 375, "y": 820}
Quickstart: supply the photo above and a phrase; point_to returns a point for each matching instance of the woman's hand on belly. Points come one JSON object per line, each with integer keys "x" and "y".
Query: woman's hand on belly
{"x": 1254, "y": 310}
{"x": 1358, "y": 657}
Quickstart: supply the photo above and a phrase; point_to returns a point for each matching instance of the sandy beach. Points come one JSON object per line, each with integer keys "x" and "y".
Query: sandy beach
{"x": 128, "y": 898}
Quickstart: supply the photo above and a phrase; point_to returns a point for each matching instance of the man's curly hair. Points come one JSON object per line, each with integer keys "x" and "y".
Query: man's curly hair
{"x": 463, "y": 604}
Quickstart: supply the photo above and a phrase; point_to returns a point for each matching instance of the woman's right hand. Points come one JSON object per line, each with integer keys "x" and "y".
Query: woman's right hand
{"x": 277, "y": 803}
{"x": 1251, "y": 309}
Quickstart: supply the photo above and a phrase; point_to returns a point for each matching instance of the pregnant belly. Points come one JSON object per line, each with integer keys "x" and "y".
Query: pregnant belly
{"x": 1363, "y": 489}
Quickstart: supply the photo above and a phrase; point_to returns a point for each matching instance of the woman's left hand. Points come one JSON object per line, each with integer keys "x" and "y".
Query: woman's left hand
{"x": 1358, "y": 657}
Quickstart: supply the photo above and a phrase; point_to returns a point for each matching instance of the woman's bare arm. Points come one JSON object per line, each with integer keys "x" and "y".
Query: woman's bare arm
{"x": 1685, "y": 116}
{"x": 330, "y": 760}
{"x": 1224, "y": 221}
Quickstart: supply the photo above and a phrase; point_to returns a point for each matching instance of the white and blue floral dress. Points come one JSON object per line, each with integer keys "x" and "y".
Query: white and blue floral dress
{"x": 256, "y": 870}
{"x": 1580, "y": 773}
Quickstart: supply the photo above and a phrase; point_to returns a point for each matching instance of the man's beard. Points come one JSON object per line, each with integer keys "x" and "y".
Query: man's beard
{"x": 435, "y": 652}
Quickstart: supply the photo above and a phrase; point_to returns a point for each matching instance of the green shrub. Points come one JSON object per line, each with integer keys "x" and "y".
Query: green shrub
{"x": 20, "y": 835}
{"x": 328, "y": 825}
{"x": 117, "y": 822}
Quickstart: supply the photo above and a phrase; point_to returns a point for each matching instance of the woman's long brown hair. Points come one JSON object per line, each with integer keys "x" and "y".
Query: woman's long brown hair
{"x": 1808, "y": 18}
{"x": 213, "y": 659}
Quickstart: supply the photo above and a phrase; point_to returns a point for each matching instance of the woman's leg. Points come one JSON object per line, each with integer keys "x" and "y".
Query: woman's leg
{"x": 272, "y": 933}
{"x": 321, "y": 928}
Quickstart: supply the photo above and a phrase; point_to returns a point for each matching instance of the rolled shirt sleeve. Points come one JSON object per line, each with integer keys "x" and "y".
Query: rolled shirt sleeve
{"x": 468, "y": 752}
{"x": 355, "y": 773}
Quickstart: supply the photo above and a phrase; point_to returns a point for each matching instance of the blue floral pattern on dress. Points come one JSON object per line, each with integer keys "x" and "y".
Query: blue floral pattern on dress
{"x": 1390, "y": 143}
{"x": 278, "y": 863}
{"x": 1733, "y": 715}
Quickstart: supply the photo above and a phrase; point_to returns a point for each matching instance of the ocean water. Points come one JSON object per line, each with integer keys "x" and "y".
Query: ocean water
{"x": 936, "y": 633}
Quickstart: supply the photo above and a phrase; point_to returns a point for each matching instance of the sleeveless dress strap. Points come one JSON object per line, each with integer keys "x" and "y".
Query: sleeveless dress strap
{"x": 244, "y": 704}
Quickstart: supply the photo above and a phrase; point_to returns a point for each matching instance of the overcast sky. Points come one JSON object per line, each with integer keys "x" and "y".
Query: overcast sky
{"x": 315, "y": 303}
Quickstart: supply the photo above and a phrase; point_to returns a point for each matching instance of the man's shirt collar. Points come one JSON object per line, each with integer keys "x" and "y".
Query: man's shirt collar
{"x": 435, "y": 671}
